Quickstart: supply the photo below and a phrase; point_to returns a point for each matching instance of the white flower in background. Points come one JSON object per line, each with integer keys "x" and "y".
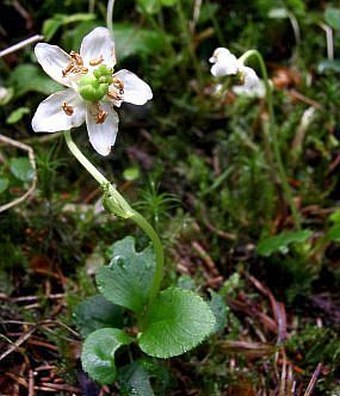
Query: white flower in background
{"x": 92, "y": 89}
{"x": 226, "y": 64}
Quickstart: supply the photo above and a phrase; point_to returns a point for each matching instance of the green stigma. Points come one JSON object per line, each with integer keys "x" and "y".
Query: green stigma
{"x": 94, "y": 87}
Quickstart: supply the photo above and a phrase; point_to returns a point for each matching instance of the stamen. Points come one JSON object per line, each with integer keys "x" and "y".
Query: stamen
{"x": 68, "y": 69}
{"x": 114, "y": 95}
{"x": 101, "y": 116}
{"x": 75, "y": 66}
{"x": 68, "y": 110}
{"x": 77, "y": 58}
{"x": 96, "y": 61}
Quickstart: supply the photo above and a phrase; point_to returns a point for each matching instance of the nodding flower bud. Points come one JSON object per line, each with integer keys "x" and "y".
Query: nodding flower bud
{"x": 92, "y": 88}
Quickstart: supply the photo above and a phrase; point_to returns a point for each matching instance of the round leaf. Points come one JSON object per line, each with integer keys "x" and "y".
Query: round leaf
{"x": 21, "y": 168}
{"x": 98, "y": 353}
{"x": 178, "y": 321}
{"x": 127, "y": 280}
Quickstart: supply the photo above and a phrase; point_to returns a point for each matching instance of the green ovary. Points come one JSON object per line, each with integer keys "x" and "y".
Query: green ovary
{"x": 94, "y": 87}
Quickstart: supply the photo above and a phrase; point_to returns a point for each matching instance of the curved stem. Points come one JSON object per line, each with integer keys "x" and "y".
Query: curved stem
{"x": 275, "y": 140}
{"x": 83, "y": 160}
{"x": 115, "y": 203}
{"x": 109, "y": 13}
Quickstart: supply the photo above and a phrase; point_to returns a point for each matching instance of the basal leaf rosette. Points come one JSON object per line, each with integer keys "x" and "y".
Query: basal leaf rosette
{"x": 178, "y": 321}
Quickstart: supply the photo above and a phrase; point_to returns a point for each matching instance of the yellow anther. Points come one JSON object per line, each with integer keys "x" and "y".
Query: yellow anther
{"x": 96, "y": 61}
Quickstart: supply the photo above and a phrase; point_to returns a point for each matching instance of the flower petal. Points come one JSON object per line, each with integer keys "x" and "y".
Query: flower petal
{"x": 96, "y": 44}
{"x": 102, "y": 135}
{"x": 225, "y": 63}
{"x": 136, "y": 91}
{"x": 251, "y": 79}
{"x": 50, "y": 116}
{"x": 53, "y": 60}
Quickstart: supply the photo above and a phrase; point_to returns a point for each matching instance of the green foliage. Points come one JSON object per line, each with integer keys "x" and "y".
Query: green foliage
{"x": 17, "y": 115}
{"x": 154, "y": 204}
{"x": 143, "y": 377}
{"x": 98, "y": 353}
{"x": 173, "y": 326}
{"x": 333, "y": 233}
{"x": 280, "y": 243}
{"x": 332, "y": 17}
{"x": 96, "y": 313}
{"x": 21, "y": 168}
{"x": 52, "y": 25}
{"x": 4, "y": 183}
{"x": 134, "y": 379}
{"x": 131, "y": 40}
{"x": 127, "y": 280}
{"x": 30, "y": 78}
{"x": 154, "y": 6}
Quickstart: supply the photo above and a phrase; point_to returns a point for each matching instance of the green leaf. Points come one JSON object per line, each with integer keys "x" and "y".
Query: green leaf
{"x": 136, "y": 41}
{"x": 17, "y": 115}
{"x": 4, "y": 183}
{"x": 335, "y": 217}
{"x": 98, "y": 353}
{"x": 178, "y": 321}
{"x": 127, "y": 280}
{"x": 332, "y": 17}
{"x": 95, "y": 313}
{"x": 132, "y": 173}
{"x": 21, "y": 168}
{"x": 333, "y": 233}
{"x": 279, "y": 243}
{"x": 220, "y": 311}
{"x": 135, "y": 380}
{"x": 168, "y": 3}
{"x": 52, "y": 25}
{"x": 328, "y": 65}
{"x": 149, "y": 6}
{"x": 26, "y": 78}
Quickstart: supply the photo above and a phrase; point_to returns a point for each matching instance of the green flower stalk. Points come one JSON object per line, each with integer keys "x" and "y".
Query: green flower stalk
{"x": 224, "y": 64}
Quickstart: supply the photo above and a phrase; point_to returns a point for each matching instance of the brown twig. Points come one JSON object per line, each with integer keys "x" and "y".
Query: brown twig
{"x": 207, "y": 260}
{"x": 313, "y": 380}
{"x": 31, "y": 158}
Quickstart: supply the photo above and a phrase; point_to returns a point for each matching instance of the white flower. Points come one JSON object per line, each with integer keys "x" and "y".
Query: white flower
{"x": 225, "y": 64}
{"x": 92, "y": 89}
{"x": 252, "y": 85}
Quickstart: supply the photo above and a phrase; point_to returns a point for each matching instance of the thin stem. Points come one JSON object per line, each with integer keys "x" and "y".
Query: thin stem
{"x": 22, "y": 44}
{"x": 188, "y": 38}
{"x": 83, "y": 160}
{"x": 109, "y": 13}
{"x": 115, "y": 203}
{"x": 159, "y": 252}
{"x": 275, "y": 140}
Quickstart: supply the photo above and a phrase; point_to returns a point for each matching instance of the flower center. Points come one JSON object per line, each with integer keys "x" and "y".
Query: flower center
{"x": 93, "y": 87}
